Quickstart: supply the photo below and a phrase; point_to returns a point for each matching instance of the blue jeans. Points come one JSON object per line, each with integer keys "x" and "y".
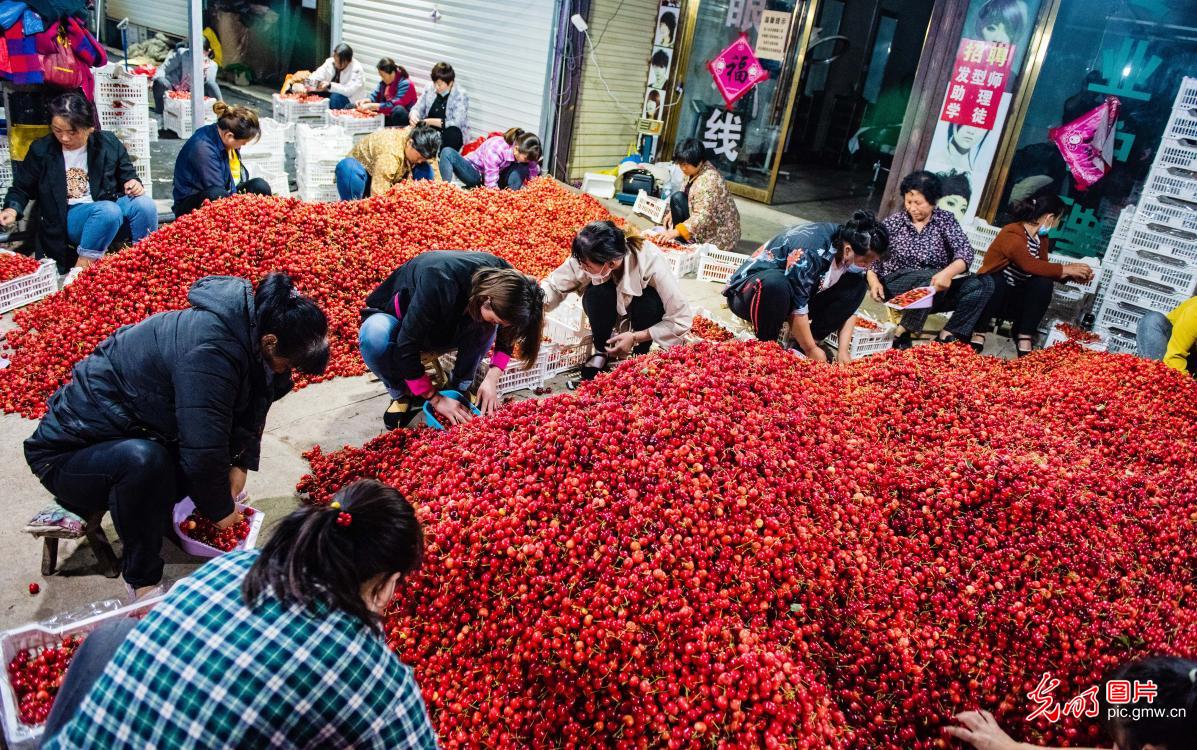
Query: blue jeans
{"x": 376, "y": 337}
{"x": 1152, "y": 337}
{"x": 92, "y": 226}
{"x": 352, "y": 178}
{"x": 339, "y": 101}
{"x": 453, "y": 164}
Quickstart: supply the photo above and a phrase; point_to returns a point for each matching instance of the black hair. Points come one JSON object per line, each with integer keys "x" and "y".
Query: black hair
{"x": 313, "y": 560}
{"x": 956, "y": 183}
{"x": 527, "y": 144}
{"x": 1176, "y": 693}
{"x": 660, "y": 59}
{"x": 864, "y": 233}
{"x": 387, "y": 65}
{"x": 208, "y": 51}
{"x": 601, "y": 242}
{"x": 1009, "y": 13}
{"x": 443, "y": 71}
{"x": 426, "y": 140}
{"x": 690, "y": 151}
{"x": 343, "y": 52}
{"x": 924, "y": 182}
{"x": 75, "y": 109}
{"x": 1037, "y": 205}
{"x": 295, "y": 320}
{"x": 670, "y": 20}
{"x": 518, "y": 300}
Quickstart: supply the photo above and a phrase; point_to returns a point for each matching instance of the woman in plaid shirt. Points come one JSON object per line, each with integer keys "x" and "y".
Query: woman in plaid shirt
{"x": 282, "y": 648}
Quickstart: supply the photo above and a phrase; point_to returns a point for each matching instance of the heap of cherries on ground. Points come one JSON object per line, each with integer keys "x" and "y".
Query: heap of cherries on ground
{"x": 724, "y": 544}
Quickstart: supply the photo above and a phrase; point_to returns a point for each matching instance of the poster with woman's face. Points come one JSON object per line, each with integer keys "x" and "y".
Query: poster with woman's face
{"x": 1006, "y": 21}
{"x": 961, "y": 155}
{"x": 652, "y": 104}
{"x": 666, "y": 27}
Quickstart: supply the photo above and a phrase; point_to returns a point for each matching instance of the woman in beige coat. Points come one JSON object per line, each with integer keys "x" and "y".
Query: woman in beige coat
{"x": 629, "y": 294}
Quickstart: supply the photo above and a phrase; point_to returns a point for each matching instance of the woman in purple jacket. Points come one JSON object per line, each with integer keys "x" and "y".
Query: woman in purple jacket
{"x": 503, "y": 161}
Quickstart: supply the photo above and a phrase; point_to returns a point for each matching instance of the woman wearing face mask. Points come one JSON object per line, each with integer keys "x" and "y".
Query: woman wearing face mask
{"x": 814, "y": 276}
{"x": 209, "y": 166}
{"x": 620, "y": 278}
{"x": 308, "y": 608}
{"x": 394, "y": 95}
{"x": 1022, "y": 275}
{"x": 444, "y": 106}
{"x": 85, "y": 185}
{"x": 174, "y": 407}
{"x": 440, "y": 301}
{"x": 928, "y": 248}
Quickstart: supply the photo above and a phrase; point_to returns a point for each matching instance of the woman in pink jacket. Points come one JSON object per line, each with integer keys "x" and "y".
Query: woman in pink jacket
{"x": 504, "y": 161}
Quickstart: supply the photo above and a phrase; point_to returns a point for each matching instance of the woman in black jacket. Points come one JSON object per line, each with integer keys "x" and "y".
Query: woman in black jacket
{"x": 174, "y": 406}
{"x": 440, "y": 301}
{"x": 85, "y": 186}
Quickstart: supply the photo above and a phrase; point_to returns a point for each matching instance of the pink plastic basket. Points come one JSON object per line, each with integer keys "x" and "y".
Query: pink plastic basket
{"x": 186, "y": 507}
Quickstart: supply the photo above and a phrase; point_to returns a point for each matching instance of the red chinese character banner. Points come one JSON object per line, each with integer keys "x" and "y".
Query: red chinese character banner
{"x": 978, "y": 79}
{"x": 736, "y": 70}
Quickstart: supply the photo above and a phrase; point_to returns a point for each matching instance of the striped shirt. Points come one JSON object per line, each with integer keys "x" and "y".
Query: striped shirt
{"x": 202, "y": 670}
{"x": 1014, "y": 275}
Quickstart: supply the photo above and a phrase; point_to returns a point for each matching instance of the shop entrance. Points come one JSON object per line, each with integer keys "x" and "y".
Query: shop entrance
{"x": 847, "y": 113}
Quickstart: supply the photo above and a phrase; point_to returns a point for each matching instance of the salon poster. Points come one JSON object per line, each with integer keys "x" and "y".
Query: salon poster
{"x": 660, "y": 64}
{"x": 979, "y": 77}
{"x": 962, "y": 156}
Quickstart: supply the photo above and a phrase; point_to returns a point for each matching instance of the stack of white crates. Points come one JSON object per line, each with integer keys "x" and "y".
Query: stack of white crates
{"x": 1156, "y": 266}
{"x": 266, "y": 157}
{"x": 294, "y": 112}
{"x": 176, "y": 115}
{"x": 5, "y": 165}
{"x": 123, "y": 106}
{"x": 317, "y": 151}
{"x": 354, "y": 125}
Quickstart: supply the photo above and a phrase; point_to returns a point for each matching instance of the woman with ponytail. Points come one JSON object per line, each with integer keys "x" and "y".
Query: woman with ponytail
{"x": 812, "y": 275}
{"x": 628, "y": 292}
{"x": 446, "y": 300}
{"x": 1165, "y": 721}
{"x": 209, "y": 165}
{"x": 174, "y": 407}
{"x": 1023, "y": 277}
{"x": 503, "y": 161}
{"x": 278, "y": 648}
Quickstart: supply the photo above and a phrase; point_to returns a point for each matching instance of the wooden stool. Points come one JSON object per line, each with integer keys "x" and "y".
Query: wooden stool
{"x": 91, "y": 530}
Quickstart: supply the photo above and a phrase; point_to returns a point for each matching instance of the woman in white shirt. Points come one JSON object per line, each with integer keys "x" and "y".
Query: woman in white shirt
{"x": 341, "y": 77}
{"x": 625, "y": 284}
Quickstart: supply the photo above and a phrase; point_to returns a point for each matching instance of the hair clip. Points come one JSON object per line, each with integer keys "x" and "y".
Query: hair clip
{"x": 1193, "y": 675}
{"x": 344, "y": 519}
{"x": 335, "y": 505}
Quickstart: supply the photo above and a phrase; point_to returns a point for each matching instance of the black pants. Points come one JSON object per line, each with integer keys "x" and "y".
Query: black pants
{"x": 135, "y": 480}
{"x": 679, "y": 207}
{"x": 398, "y": 118}
{"x": 86, "y": 667}
{"x": 257, "y": 186}
{"x": 966, "y": 298}
{"x": 764, "y": 300}
{"x": 450, "y": 138}
{"x": 599, "y": 302}
{"x": 1024, "y": 304}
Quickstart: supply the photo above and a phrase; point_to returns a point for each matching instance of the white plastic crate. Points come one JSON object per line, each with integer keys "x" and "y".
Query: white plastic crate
{"x": 1174, "y": 152}
{"x": 1186, "y": 96}
{"x": 1161, "y": 269}
{"x": 1093, "y": 263}
{"x": 271, "y": 141}
{"x": 563, "y": 357}
{"x": 1057, "y": 336}
{"x": 1172, "y": 181}
{"x": 37, "y": 636}
{"x": 353, "y": 125}
{"x": 719, "y": 265}
{"x": 292, "y": 111}
{"x": 683, "y": 262}
{"x": 560, "y": 332}
{"x": 5, "y": 164}
{"x": 176, "y": 115}
{"x": 1182, "y": 124}
{"x": 1119, "y": 237}
{"x": 280, "y": 183}
{"x": 980, "y": 235}
{"x": 1163, "y": 240}
{"x": 1168, "y": 211}
{"x": 29, "y": 288}
{"x": 1144, "y": 293}
{"x": 864, "y": 341}
{"x": 1119, "y": 340}
{"x": 115, "y": 84}
{"x": 1119, "y": 315}
{"x": 318, "y": 193}
{"x": 124, "y": 116}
